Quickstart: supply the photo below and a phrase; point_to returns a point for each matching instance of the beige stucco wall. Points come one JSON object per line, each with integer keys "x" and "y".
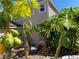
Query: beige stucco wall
{"x": 35, "y": 37}
{"x": 51, "y": 11}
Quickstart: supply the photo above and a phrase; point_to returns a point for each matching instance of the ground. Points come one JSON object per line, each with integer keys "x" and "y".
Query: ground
{"x": 48, "y": 57}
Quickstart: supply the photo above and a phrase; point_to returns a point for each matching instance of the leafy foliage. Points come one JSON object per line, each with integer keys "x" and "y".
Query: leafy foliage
{"x": 11, "y": 10}
{"x": 65, "y": 24}
{"x": 24, "y": 8}
{"x": 26, "y": 34}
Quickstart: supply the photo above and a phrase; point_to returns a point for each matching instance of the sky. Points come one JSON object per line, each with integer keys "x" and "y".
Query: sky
{"x": 60, "y": 4}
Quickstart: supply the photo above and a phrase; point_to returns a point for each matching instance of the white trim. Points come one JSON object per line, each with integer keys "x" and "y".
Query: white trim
{"x": 44, "y": 9}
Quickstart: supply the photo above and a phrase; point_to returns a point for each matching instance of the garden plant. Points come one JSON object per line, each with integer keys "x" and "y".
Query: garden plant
{"x": 61, "y": 30}
{"x": 14, "y": 10}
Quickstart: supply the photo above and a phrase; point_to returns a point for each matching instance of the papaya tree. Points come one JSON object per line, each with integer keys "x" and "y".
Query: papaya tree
{"x": 61, "y": 30}
{"x": 10, "y": 11}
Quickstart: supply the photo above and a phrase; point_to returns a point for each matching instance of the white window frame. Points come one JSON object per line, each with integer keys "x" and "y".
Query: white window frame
{"x": 44, "y": 9}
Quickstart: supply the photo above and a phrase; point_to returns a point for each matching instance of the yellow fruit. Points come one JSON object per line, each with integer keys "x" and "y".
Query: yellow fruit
{"x": 17, "y": 41}
{"x": 14, "y": 32}
{"x": 9, "y": 40}
{"x": 2, "y": 48}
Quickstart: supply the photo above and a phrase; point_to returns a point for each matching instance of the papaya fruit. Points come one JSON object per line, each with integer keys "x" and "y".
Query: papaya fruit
{"x": 9, "y": 42}
{"x": 14, "y": 32}
{"x": 2, "y": 48}
{"x": 17, "y": 41}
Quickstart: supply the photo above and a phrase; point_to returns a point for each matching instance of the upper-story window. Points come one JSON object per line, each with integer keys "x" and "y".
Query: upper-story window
{"x": 42, "y": 8}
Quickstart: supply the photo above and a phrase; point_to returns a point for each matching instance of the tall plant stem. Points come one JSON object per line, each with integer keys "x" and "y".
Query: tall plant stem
{"x": 58, "y": 48}
{"x": 26, "y": 49}
{"x": 8, "y": 54}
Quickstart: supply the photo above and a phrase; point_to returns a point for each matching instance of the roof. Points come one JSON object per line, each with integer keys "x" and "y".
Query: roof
{"x": 14, "y": 24}
{"x": 53, "y": 5}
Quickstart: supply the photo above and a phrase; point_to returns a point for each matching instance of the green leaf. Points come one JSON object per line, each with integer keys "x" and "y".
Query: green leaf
{"x": 7, "y": 16}
{"x": 77, "y": 42}
{"x": 66, "y": 42}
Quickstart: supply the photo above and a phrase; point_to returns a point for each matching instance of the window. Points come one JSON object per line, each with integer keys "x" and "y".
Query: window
{"x": 42, "y": 8}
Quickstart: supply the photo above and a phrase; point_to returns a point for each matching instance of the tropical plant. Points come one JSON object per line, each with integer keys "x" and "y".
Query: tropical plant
{"x": 61, "y": 30}
{"x": 10, "y": 11}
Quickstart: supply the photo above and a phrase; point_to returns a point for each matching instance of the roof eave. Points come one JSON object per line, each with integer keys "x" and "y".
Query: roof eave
{"x": 53, "y": 5}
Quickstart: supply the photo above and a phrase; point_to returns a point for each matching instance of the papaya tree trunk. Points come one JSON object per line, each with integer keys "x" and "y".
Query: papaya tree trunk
{"x": 59, "y": 43}
{"x": 26, "y": 50}
{"x": 8, "y": 54}
{"x": 58, "y": 49}
{"x": 6, "y": 25}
